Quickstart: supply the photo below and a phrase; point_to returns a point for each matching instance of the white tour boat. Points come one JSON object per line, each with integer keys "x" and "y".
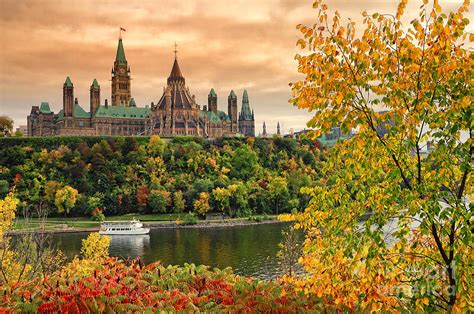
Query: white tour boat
{"x": 127, "y": 227}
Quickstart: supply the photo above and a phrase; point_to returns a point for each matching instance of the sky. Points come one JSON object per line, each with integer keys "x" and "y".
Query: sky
{"x": 222, "y": 44}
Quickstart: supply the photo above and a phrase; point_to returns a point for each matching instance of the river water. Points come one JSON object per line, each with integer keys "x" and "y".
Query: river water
{"x": 249, "y": 250}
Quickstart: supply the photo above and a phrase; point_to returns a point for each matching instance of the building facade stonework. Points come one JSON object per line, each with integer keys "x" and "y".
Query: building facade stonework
{"x": 176, "y": 112}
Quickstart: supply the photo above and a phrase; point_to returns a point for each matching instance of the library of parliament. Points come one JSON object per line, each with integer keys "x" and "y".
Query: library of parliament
{"x": 175, "y": 113}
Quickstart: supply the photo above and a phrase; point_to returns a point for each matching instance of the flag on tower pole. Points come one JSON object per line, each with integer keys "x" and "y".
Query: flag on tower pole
{"x": 120, "y": 34}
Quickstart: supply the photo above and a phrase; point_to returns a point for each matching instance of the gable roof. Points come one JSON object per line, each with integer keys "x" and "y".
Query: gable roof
{"x": 123, "y": 112}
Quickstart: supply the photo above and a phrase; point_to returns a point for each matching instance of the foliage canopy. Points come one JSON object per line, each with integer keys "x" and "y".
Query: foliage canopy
{"x": 402, "y": 87}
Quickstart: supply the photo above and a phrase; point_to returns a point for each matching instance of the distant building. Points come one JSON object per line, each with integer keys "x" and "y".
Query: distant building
{"x": 384, "y": 127}
{"x": 175, "y": 113}
{"x": 23, "y": 129}
{"x": 329, "y": 139}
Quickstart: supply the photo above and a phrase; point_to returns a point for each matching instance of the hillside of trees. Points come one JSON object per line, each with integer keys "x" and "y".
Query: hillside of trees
{"x": 74, "y": 176}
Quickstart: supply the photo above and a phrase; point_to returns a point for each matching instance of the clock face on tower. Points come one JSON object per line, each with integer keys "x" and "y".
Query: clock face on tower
{"x": 122, "y": 71}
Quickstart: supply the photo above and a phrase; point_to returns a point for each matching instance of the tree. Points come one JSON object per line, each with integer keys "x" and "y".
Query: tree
{"x": 142, "y": 195}
{"x": 159, "y": 200}
{"x": 201, "y": 205}
{"x": 278, "y": 191}
{"x": 421, "y": 75}
{"x": 6, "y": 125}
{"x": 244, "y": 163}
{"x": 156, "y": 146}
{"x": 95, "y": 246}
{"x": 239, "y": 199}
{"x": 221, "y": 197}
{"x": 179, "y": 203}
{"x": 65, "y": 199}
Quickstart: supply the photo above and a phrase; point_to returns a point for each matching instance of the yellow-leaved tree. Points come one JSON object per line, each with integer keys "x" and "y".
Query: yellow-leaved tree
{"x": 95, "y": 246}
{"x": 389, "y": 226}
{"x": 9, "y": 267}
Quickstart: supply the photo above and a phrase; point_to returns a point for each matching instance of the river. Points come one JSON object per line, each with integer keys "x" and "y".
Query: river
{"x": 249, "y": 250}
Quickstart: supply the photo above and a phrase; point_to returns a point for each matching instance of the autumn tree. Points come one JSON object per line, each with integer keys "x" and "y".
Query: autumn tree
{"x": 405, "y": 88}
{"x": 221, "y": 197}
{"x": 95, "y": 246}
{"x": 156, "y": 146}
{"x": 6, "y": 125}
{"x": 142, "y": 195}
{"x": 65, "y": 199}
{"x": 201, "y": 205}
{"x": 179, "y": 203}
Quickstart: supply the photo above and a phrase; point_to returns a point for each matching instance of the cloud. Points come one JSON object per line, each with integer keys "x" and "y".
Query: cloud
{"x": 222, "y": 45}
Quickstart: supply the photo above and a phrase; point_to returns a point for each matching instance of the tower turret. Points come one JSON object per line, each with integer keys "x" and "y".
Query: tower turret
{"x": 68, "y": 98}
{"x": 121, "y": 88}
{"x": 232, "y": 111}
{"x": 264, "y": 134}
{"x": 278, "y": 128}
{"x": 94, "y": 97}
{"x": 212, "y": 101}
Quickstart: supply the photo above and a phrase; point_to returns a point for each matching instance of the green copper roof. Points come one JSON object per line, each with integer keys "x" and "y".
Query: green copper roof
{"x": 216, "y": 117}
{"x": 120, "y": 57}
{"x": 245, "y": 113}
{"x": 95, "y": 84}
{"x": 212, "y": 93}
{"x": 132, "y": 103}
{"x": 44, "y": 107}
{"x": 223, "y": 116}
{"x": 123, "y": 112}
{"x": 68, "y": 82}
{"x": 232, "y": 95}
{"x": 80, "y": 113}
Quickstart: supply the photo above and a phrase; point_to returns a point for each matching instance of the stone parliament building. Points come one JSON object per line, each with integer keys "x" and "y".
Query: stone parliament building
{"x": 175, "y": 113}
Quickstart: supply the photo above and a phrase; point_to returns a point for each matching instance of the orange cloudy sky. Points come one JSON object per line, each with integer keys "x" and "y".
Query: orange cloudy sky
{"x": 222, "y": 44}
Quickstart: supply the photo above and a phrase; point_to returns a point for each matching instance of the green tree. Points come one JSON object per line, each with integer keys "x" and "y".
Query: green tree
{"x": 244, "y": 163}
{"x": 278, "y": 191}
{"x": 159, "y": 201}
{"x": 239, "y": 199}
{"x": 179, "y": 203}
{"x": 415, "y": 249}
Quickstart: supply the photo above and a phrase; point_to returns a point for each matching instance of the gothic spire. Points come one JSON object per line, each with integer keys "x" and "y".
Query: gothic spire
{"x": 175, "y": 75}
{"x": 245, "y": 112}
{"x": 120, "y": 57}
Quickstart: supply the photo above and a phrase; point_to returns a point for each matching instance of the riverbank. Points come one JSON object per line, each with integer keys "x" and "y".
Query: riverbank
{"x": 85, "y": 226}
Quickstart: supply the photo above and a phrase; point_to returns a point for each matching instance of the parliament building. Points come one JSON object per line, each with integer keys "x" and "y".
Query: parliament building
{"x": 175, "y": 113}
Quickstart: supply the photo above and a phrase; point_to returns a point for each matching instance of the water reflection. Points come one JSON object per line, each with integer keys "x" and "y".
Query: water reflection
{"x": 249, "y": 250}
{"x": 129, "y": 246}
